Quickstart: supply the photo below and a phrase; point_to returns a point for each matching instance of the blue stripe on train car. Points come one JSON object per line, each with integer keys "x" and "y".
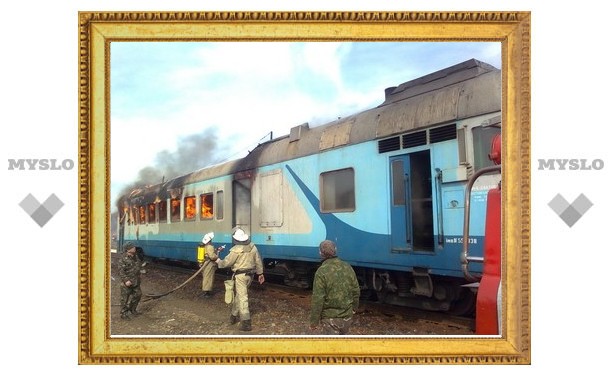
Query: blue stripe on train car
{"x": 439, "y": 264}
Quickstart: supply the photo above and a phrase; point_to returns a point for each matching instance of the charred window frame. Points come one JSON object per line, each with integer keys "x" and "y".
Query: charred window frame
{"x": 126, "y": 216}
{"x": 219, "y": 203}
{"x": 163, "y": 211}
{"x": 132, "y": 215}
{"x": 175, "y": 210}
{"x": 337, "y": 191}
{"x": 206, "y": 206}
{"x": 190, "y": 208}
{"x": 151, "y": 216}
{"x": 142, "y": 214}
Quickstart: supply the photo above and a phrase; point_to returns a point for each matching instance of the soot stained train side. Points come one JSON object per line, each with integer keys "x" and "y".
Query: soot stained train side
{"x": 387, "y": 185}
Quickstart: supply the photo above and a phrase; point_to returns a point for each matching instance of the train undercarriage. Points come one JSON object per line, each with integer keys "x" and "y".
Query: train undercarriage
{"x": 417, "y": 289}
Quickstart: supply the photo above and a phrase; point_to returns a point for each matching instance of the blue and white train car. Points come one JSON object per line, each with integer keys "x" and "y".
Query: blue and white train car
{"x": 387, "y": 185}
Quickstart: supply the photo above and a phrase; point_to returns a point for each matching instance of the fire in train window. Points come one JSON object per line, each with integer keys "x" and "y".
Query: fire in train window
{"x": 190, "y": 208}
{"x": 151, "y": 213}
{"x": 219, "y": 204}
{"x": 175, "y": 210}
{"x": 337, "y": 191}
{"x": 163, "y": 211}
{"x": 206, "y": 206}
{"x": 141, "y": 214}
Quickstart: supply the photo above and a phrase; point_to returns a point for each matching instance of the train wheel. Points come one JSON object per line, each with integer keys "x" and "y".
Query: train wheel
{"x": 464, "y": 305}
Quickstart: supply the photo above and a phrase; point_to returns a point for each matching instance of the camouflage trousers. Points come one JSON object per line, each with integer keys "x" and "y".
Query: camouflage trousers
{"x": 240, "y": 305}
{"x": 336, "y": 326}
{"x": 130, "y": 297}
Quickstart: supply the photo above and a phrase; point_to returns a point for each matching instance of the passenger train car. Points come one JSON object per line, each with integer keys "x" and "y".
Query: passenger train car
{"x": 387, "y": 185}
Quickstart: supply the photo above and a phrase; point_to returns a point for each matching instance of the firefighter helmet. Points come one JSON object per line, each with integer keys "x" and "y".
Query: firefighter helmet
{"x": 208, "y": 237}
{"x": 240, "y": 235}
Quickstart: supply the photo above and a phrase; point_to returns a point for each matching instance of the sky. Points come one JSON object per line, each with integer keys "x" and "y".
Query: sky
{"x": 180, "y": 106}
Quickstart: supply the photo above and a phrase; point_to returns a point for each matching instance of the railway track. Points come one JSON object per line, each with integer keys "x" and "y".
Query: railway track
{"x": 371, "y": 309}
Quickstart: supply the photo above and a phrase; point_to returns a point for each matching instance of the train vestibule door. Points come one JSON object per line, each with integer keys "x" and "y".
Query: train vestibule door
{"x": 241, "y": 201}
{"x": 411, "y": 203}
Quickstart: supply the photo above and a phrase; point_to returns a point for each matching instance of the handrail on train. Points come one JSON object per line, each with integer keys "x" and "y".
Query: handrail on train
{"x": 465, "y": 258}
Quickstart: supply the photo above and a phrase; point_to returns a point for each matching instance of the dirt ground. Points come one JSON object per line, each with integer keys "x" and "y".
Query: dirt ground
{"x": 273, "y": 311}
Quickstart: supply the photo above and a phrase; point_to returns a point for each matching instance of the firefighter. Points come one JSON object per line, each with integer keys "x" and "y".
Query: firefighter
{"x": 245, "y": 262}
{"x": 208, "y": 274}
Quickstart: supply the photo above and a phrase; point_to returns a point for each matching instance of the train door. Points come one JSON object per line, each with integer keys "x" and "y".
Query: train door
{"x": 241, "y": 200}
{"x": 411, "y": 203}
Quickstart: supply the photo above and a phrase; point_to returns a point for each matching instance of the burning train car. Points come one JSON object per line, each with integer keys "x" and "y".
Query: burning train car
{"x": 387, "y": 185}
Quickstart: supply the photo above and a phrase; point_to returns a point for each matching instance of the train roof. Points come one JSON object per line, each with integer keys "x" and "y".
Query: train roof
{"x": 464, "y": 90}
{"x": 437, "y": 80}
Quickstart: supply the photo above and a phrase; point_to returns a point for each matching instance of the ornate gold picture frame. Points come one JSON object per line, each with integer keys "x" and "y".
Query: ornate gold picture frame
{"x": 98, "y": 29}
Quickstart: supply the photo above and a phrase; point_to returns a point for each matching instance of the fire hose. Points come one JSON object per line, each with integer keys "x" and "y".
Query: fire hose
{"x": 157, "y": 296}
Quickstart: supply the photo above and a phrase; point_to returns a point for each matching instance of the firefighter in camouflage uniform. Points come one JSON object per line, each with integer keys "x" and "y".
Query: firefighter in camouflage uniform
{"x": 335, "y": 293}
{"x": 129, "y": 274}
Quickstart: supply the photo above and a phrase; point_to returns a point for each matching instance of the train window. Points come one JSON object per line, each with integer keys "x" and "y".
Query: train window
{"x": 134, "y": 215}
{"x": 399, "y": 183}
{"x": 337, "y": 191}
{"x": 141, "y": 214}
{"x": 163, "y": 211}
{"x": 219, "y": 204}
{"x": 483, "y": 136}
{"x": 131, "y": 216}
{"x": 126, "y": 216}
{"x": 190, "y": 208}
{"x": 151, "y": 213}
{"x": 175, "y": 210}
{"x": 206, "y": 206}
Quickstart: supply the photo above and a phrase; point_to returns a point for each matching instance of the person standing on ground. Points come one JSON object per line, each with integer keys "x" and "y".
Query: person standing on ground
{"x": 245, "y": 262}
{"x": 335, "y": 293}
{"x": 208, "y": 273}
{"x": 129, "y": 274}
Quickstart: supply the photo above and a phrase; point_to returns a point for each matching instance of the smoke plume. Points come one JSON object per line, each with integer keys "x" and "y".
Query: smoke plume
{"x": 193, "y": 152}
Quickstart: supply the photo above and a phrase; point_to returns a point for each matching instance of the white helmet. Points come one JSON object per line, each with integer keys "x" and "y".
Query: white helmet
{"x": 208, "y": 237}
{"x": 240, "y": 235}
